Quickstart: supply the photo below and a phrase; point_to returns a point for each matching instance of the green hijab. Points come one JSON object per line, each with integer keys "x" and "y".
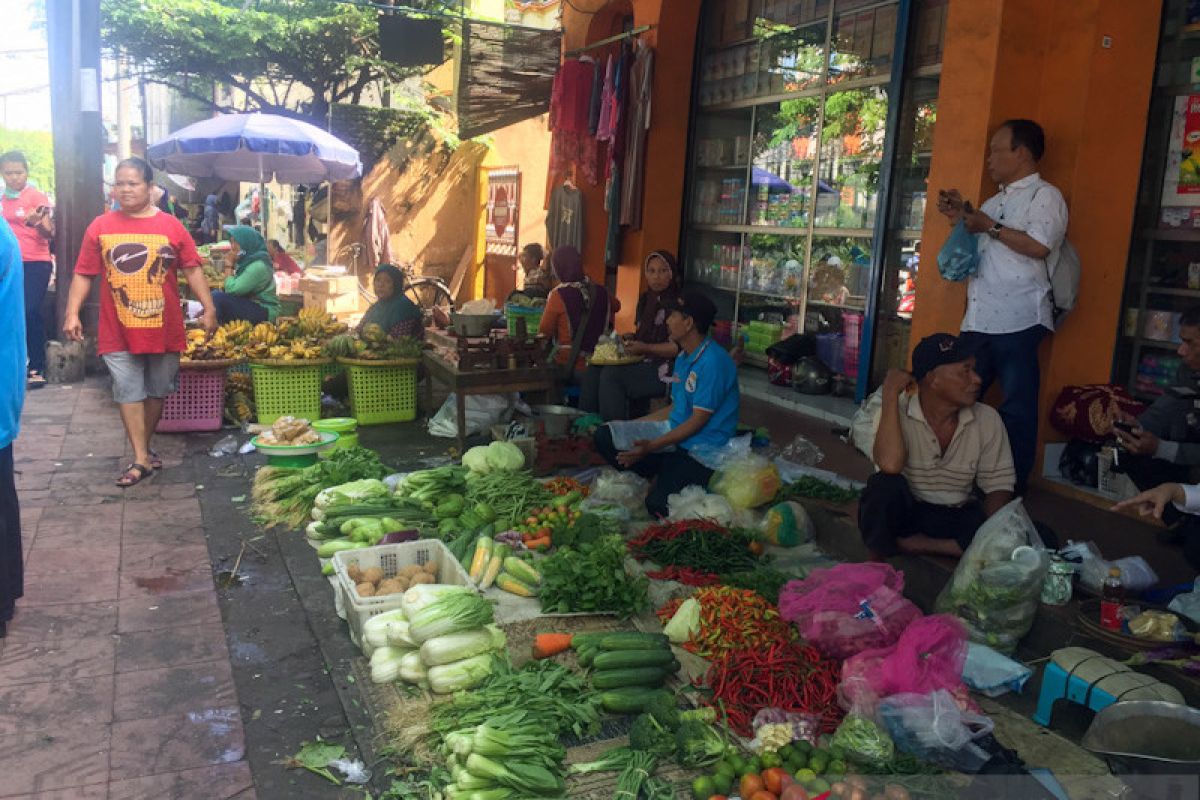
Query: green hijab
{"x": 396, "y": 309}
{"x": 253, "y": 246}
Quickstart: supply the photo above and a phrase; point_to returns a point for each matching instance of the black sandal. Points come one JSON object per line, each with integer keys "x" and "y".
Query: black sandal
{"x": 34, "y": 380}
{"x": 134, "y": 474}
{"x": 156, "y": 462}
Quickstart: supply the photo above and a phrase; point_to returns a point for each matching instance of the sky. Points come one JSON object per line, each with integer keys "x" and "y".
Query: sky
{"x": 24, "y": 71}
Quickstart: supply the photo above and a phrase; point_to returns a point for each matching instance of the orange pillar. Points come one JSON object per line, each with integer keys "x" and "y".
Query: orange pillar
{"x": 1083, "y": 69}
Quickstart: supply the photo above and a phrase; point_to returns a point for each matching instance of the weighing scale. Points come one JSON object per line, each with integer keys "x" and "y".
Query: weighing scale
{"x": 295, "y": 455}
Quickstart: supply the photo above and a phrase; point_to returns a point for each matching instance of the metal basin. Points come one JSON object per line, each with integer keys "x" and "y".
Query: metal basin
{"x": 556, "y": 420}
{"x": 1147, "y": 737}
{"x": 472, "y": 324}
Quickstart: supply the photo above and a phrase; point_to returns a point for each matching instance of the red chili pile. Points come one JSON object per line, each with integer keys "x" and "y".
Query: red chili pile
{"x": 786, "y": 675}
{"x": 563, "y": 485}
{"x": 732, "y": 619}
{"x": 684, "y": 575}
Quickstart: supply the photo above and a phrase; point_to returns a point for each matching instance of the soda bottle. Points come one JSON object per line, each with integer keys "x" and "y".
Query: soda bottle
{"x": 1112, "y": 597}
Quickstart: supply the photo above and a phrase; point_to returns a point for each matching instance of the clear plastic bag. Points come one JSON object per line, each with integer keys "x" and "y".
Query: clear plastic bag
{"x": 992, "y": 673}
{"x": 848, "y": 608}
{"x": 996, "y": 587}
{"x": 747, "y": 482}
{"x": 801, "y": 451}
{"x": 933, "y": 728}
{"x": 928, "y": 655}
{"x": 482, "y": 412}
{"x": 1136, "y": 574}
{"x": 1188, "y": 603}
{"x": 693, "y": 502}
{"x": 614, "y": 490}
{"x": 800, "y": 726}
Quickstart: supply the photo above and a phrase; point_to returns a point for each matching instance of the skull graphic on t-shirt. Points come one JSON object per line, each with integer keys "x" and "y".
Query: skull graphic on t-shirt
{"x": 137, "y": 266}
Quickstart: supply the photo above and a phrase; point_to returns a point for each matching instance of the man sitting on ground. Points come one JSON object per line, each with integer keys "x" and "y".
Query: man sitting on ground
{"x": 702, "y": 417}
{"x": 933, "y": 448}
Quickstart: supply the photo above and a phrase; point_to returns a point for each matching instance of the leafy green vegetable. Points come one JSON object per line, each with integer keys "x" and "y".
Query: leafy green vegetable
{"x": 865, "y": 741}
{"x": 316, "y": 758}
{"x": 698, "y": 744}
{"x": 285, "y": 495}
{"x": 764, "y": 580}
{"x": 818, "y": 489}
{"x": 592, "y": 577}
{"x": 612, "y": 760}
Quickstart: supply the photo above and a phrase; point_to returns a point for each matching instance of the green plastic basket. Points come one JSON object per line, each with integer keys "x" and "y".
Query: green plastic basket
{"x": 280, "y": 391}
{"x": 383, "y": 394}
{"x": 533, "y": 318}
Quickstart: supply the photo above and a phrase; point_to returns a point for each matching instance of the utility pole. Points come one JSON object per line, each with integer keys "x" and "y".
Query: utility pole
{"x": 73, "y": 34}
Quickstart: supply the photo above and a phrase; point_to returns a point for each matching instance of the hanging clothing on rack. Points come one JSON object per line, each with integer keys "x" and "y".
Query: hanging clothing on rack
{"x": 570, "y": 119}
{"x": 641, "y": 78}
{"x": 564, "y": 218}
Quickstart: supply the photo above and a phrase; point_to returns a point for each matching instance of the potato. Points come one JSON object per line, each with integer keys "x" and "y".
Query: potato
{"x": 390, "y": 586}
{"x": 431, "y": 568}
{"x": 372, "y": 575}
{"x": 354, "y": 573}
{"x": 409, "y": 570}
{"x": 365, "y": 589}
{"x": 423, "y": 577}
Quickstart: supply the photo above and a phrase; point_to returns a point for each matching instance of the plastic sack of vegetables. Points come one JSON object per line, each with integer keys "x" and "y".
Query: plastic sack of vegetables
{"x": 748, "y": 481}
{"x": 864, "y": 741}
{"x": 848, "y": 608}
{"x": 932, "y": 727}
{"x": 612, "y": 488}
{"x": 775, "y": 728}
{"x": 997, "y": 584}
{"x": 929, "y": 655}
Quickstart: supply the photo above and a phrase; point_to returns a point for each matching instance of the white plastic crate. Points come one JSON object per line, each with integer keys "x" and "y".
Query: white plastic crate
{"x": 391, "y": 558}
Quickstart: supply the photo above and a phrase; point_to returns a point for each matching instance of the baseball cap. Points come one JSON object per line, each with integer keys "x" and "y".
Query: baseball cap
{"x": 938, "y": 349}
{"x": 697, "y": 306}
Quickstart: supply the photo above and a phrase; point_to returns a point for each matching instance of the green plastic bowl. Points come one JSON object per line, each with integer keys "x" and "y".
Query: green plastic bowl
{"x": 346, "y": 427}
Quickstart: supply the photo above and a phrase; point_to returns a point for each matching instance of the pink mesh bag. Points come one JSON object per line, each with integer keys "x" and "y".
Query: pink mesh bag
{"x": 848, "y": 608}
{"x": 928, "y": 656}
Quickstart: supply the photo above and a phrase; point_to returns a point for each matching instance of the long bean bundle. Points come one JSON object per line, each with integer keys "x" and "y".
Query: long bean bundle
{"x": 511, "y": 495}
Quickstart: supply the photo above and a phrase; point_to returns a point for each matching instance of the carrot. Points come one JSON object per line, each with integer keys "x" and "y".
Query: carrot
{"x": 549, "y": 644}
{"x": 540, "y": 543}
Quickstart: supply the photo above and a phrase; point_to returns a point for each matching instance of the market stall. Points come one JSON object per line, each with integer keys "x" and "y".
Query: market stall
{"x": 540, "y": 637}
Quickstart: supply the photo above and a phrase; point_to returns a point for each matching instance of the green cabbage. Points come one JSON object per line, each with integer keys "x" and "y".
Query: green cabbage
{"x": 353, "y": 493}
{"x": 476, "y": 460}
{"x": 505, "y": 456}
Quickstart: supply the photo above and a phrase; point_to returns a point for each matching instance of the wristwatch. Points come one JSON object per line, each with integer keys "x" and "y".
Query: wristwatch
{"x": 994, "y": 231}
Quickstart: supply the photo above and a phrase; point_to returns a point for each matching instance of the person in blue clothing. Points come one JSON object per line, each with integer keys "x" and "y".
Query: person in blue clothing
{"x": 12, "y": 396}
{"x": 702, "y": 417}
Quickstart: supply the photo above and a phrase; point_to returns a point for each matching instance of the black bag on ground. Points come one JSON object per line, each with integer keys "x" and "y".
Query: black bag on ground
{"x": 792, "y": 349}
{"x": 811, "y": 376}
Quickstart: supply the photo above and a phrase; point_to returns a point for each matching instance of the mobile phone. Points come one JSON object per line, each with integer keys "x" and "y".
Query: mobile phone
{"x": 1123, "y": 426}
{"x": 1183, "y": 392}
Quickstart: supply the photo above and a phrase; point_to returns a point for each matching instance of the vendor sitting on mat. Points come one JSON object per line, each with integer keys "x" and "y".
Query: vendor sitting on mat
{"x": 249, "y": 290}
{"x": 932, "y": 449}
{"x": 667, "y": 445}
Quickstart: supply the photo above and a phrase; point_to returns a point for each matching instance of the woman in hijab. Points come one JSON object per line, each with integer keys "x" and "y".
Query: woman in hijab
{"x": 209, "y": 220}
{"x": 249, "y": 291}
{"x": 392, "y": 311}
{"x": 575, "y": 302}
{"x": 610, "y": 391}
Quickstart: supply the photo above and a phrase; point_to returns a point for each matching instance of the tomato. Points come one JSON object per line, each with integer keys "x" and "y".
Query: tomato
{"x": 750, "y": 784}
{"x": 757, "y": 548}
{"x": 763, "y": 795}
{"x": 773, "y": 779}
{"x": 794, "y": 792}
{"x": 545, "y": 532}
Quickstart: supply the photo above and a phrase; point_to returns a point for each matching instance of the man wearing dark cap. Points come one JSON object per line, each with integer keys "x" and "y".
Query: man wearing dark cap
{"x": 702, "y": 417}
{"x": 932, "y": 449}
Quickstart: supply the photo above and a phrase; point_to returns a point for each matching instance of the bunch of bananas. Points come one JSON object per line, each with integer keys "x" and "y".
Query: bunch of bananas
{"x": 313, "y": 322}
{"x": 264, "y": 333}
{"x": 201, "y": 348}
{"x": 372, "y": 348}
{"x": 236, "y": 331}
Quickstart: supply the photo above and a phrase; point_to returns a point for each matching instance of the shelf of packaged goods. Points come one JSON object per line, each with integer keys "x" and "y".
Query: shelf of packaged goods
{"x": 1157, "y": 344}
{"x": 1172, "y": 234}
{"x": 1173, "y": 292}
{"x": 842, "y": 306}
{"x": 815, "y": 91}
{"x": 777, "y": 297}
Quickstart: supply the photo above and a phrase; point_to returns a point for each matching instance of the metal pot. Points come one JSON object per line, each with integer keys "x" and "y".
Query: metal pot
{"x": 1147, "y": 737}
{"x": 472, "y": 324}
{"x": 556, "y": 420}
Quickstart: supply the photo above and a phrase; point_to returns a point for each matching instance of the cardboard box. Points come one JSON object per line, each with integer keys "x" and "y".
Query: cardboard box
{"x": 329, "y": 285}
{"x": 336, "y": 304}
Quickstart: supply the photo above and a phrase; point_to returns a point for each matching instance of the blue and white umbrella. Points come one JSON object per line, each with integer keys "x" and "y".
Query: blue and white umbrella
{"x": 256, "y": 148}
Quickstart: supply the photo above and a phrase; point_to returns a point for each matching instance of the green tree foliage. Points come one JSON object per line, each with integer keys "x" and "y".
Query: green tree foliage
{"x": 282, "y": 55}
{"x": 39, "y": 152}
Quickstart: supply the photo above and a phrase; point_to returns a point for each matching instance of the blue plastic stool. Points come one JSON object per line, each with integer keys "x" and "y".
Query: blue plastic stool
{"x": 1057, "y": 685}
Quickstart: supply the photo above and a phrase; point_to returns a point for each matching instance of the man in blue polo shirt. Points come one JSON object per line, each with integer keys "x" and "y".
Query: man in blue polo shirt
{"x": 13, "y": 363}
{"x": 702, "y": 417}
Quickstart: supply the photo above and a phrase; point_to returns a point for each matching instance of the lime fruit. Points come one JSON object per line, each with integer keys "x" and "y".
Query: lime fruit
{"x": 703, "y": 788}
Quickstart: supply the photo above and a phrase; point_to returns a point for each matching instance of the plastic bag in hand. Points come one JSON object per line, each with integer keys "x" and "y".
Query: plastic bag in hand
{"x": 933, "y": 728}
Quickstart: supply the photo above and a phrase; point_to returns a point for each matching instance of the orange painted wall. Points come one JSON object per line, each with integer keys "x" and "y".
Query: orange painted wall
{"x": 674, "y": 41}
{"x": 1044, "y": 59}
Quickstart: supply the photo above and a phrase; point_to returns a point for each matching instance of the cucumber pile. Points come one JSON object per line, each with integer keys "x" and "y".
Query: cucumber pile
{"x": 629, "y": 668}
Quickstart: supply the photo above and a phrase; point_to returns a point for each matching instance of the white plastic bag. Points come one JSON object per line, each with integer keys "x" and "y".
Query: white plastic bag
{"x": 996, "y": 587}
{"x": 483, "y": 411}
{"x": 1136, "y": 574}
{"x": 933, "y": 728}
{"x": 693, "y": 502}
{"x": 1188, "y": 604}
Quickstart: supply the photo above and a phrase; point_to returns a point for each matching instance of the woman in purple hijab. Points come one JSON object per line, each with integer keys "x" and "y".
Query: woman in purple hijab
{"x": 574, "y": 302}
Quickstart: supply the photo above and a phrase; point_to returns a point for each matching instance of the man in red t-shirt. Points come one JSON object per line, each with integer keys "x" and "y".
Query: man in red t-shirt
{"x": 282, "y": 260}
{"x": 137, "y": 250}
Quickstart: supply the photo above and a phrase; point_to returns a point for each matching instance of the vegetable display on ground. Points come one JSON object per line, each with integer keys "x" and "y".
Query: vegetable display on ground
{"x": 731, "y": 619}
{"x": 592, "y": 577}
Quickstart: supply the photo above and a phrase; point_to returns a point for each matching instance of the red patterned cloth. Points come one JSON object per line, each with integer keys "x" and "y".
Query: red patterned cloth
{"x": 1087, "y": 412}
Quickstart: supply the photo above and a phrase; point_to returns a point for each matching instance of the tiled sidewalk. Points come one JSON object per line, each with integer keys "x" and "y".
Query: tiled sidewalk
{"x": 115, "y": 678}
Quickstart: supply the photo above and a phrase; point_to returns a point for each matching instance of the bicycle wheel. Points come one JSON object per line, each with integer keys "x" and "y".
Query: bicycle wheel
{"x": 430, "y": 294}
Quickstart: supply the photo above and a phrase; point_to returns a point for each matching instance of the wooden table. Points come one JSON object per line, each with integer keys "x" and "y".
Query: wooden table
{"x": 483, "y": 381}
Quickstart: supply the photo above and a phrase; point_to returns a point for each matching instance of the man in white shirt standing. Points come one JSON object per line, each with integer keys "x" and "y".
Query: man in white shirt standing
{"x": 1009, "y": 300}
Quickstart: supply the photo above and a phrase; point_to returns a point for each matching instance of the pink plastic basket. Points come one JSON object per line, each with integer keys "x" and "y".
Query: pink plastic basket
{"x": 851, "y": 330}
{"x": 198, "y": 405}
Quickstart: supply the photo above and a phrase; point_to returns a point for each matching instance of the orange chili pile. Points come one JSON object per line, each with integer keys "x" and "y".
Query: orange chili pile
{"x": 787, "y": 675}
{"x": 732, "y": 619}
